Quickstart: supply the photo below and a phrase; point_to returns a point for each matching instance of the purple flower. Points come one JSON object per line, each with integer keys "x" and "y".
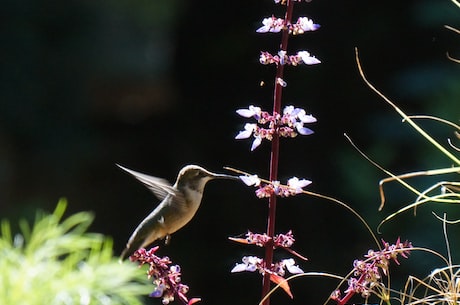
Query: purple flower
{"x": 166, "y": 278}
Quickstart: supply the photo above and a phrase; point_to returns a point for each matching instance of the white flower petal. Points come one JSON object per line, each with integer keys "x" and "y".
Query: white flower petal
{"x": 303, "y": 130}
{"x": 306, "y": 118}
{"x": 256, "y": 143}
{"x": 307, "y": 24}
{"x": 243, "y": 134}
{"x": 290, "y": 266}
{"x": 251, "y": 111}
{"x": 250, "y": 180}
{"x": 288, "y": 109}
{"x": 297, "y": 184}
{"x": 293, "y": 181}
{"x": 294, "y": 269}
{"x": 281, "y": 82}
{"x": 303, "y": 183}
{"x": 245, "y": 113}
{"x": 247, "y": 132}
{"x": 311, "y": 60}
{"x": 239, "y": 268}
{"x": 303, "y": 54}
{"x": 263, "y": 29}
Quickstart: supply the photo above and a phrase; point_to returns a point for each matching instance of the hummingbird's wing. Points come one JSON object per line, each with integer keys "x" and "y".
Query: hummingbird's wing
{"x": 160, "y": 187}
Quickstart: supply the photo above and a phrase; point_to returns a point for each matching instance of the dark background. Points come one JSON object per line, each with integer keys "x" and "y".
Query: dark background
{"x": 154, "y": 85}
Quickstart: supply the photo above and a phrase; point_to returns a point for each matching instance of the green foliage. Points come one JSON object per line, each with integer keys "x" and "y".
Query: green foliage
{"x": 56, "y": 261}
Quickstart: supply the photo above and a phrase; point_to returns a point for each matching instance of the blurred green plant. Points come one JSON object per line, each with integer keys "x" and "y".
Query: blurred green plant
{"x": 56, "y": 261}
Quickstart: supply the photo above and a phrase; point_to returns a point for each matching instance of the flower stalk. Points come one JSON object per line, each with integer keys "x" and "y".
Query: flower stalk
{"x": 274, "y": 158}
{"x": 288, "y": 123}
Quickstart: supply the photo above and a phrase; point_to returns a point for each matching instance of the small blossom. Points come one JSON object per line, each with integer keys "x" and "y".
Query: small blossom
{"x": 305, "y": 118}
{"x": 257, "y": 141}
{"x": 307, "y": 58}
{"x": 158, "y": 292}
{"x": 250, "y": 112}
{"x": 303, "y": 130}
{"x": 336, "y": 294}
{"x": 250, "y": 180}
{"x": 283, "y": 59}
{"x": 258, "y": 239}
{"x": 239, "y": 268}
{"x": 265, "y": 191}
{"x": 250, "y": 263}
{"x": 291, "y": 267}
{"x": 284, "y": 240}
{"x": 297, "y": 184}
{"x": 266, "y": 58}
{"x": 304, "y": 25}
{"x": 281, "y": 82}
{"x": 247, "y": 132}
{"x": 271, "y": 24}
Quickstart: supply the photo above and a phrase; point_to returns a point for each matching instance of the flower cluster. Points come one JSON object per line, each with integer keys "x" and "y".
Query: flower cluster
{"x": 280, "y": 240}
{"x": 265, "y": 190}
{"x": 283, "y": 2}
{"x": 254, "y": 263}
{"x": 289, "y": 124}
{"x": 276, "y": 271}
{"x": 302, "y": 57}
{"x": 166, "y": 277}
{"x": 367, "y": 273}
{"x": 276, "y": 25}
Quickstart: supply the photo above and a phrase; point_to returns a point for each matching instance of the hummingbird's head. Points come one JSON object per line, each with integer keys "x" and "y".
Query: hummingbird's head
{"x": 196, "y": 177}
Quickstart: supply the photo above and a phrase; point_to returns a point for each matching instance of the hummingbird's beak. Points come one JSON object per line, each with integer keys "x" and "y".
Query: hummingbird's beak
{"x": 223, "y": 176}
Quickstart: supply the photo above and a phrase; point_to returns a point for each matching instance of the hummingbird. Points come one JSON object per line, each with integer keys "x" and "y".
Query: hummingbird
{"x": 179, "y": 203}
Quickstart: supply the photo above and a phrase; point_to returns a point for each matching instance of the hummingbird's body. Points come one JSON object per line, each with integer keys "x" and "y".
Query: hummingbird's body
{"x": 179, "y": 204}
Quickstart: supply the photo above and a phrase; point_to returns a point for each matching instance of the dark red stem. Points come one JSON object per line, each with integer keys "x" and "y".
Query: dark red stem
{"x": 349, "y": 294}
{"x": 352, "y": 292}
{"x": 275, "y": 156}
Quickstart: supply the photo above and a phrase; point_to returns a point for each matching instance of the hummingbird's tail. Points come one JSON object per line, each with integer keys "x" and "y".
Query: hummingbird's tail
{"x": 126, "y": 252}
{"x": 133, "y": 244}
{"x": 130, "y": 248}
{"x": 143, "y": 236}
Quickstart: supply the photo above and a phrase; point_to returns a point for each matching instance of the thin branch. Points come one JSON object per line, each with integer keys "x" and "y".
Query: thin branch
{"x": 403, "y": 115}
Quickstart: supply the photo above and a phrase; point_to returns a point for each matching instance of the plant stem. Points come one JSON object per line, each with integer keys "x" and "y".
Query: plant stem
{"x": 275, "y": 156}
